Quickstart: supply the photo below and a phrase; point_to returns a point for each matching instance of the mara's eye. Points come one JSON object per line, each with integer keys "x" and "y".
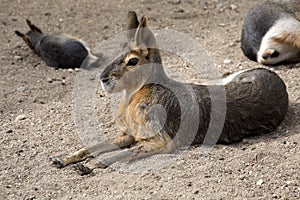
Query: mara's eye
{"x": 275, "y": 54}
{"x": 132, "y": 62}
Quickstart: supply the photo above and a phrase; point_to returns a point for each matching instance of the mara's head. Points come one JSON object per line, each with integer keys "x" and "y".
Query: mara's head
{"x": 284, "y": 47}
{"x": 137, "y": 61}
{"x": 277, "y": 53}
{"x": 32, "y": 37}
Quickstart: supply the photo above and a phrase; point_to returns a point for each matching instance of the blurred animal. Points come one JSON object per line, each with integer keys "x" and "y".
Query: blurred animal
{"x": 157, "y": 114}
{"x": 271, "y": 33}
{"x": 58, "y": 50}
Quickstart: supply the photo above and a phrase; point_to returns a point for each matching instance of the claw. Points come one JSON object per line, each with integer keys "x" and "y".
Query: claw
{"x": 57, "y": 162}
{"x": 81, "y": 169}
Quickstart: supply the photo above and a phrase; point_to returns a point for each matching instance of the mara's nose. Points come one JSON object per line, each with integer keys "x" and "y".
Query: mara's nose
{"x": 265, "y": 56}
{"x": 104, "y": 79}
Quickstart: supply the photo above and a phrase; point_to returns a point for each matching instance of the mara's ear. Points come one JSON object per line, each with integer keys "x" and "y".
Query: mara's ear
{"x": 144, "y": 36}
{"x": 132, "y": 24}
{"x": 292, "y": 39}
{"x": 18, "y": 33}
{"x": 33, "y": 27}
{"x": 24, "y": 37}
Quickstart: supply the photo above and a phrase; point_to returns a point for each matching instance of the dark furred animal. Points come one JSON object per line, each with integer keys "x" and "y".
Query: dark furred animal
{"x": 271, "y": 33}
{"x": 58, "y": 50}
{"x": 157, "y": 114}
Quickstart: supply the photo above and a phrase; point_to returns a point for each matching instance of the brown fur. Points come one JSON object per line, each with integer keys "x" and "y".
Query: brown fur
{"x": 292, "y": 39}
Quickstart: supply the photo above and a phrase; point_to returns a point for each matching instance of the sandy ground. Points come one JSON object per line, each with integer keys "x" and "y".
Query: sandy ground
{"x": 264, "y": 167}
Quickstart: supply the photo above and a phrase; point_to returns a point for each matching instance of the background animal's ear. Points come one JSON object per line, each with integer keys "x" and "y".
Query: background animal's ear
{"x": 144, "y": 36}
{"x": 132, "y": 24}
{"x": 33, "y": 27}
{"x": 18, "y": 33}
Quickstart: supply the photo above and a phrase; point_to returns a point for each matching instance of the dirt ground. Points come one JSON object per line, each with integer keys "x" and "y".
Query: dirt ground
{"x": 37, "y": 109}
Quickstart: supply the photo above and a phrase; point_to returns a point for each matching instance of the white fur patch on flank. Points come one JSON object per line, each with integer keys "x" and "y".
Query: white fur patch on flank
{"x": 270, "y": 42}
{"x": 225, "y": 81}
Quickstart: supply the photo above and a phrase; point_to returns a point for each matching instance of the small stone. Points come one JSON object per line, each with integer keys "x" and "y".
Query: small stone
{"x": 9, "y": 131}
{"x": 233, "y": 7}
{"x": 20, "y": 118}
{"x": 291, "y": 183}
{"x": 259, "y": 182}
{"x": 220, "y": 6}
{"x": 177, "y": 1}
{"x": 49, "y": 80}
{"x": 244, "y": 148}
{"x": 71, "y": 70}
{"x": 22, "y": 89}
{"x": 227, "y": 61}
{"x": 180, "y": 10}
{"x": 18, "y": 57}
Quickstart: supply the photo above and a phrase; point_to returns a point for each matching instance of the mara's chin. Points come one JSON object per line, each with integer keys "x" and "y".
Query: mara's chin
{"x": 107, "y": 87}
{"x": 267, "y": 61}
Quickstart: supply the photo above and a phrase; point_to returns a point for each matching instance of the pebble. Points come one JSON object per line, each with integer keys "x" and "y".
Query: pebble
{"x": 233, "y": 7}
{"x": 49, "y": 80}
{"x": 18, "y": 57}
{"x": 20, "y": 118}
{"x": 9, "y": 131}
{"x": 227, "y": 61}
{"x": 22, "y": 89}
{"x": 259, "y": 182}
{"x": 177, "y": 1}
{"x": 220, "y": 6}
{"x": 291, "y": 183}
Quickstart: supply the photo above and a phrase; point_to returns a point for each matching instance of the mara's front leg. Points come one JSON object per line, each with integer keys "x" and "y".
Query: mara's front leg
{"x": 141, "y": 149}
{"x": 121, "y": 141}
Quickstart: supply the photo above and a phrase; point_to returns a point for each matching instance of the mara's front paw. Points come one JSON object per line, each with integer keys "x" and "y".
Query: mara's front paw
{"x": 57, "y": 162}
{"x": 82, "y": 169}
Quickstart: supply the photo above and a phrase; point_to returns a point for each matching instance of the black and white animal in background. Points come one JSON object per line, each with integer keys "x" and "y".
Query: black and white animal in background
{"x": 271, "y": 34}
{"x": 59, "y": 50}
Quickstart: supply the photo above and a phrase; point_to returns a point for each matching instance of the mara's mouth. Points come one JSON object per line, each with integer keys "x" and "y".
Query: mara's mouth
{"x": 108, "y": 85}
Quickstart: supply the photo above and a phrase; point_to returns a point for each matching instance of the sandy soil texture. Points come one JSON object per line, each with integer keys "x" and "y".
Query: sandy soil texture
{"x": 38, "y": 117}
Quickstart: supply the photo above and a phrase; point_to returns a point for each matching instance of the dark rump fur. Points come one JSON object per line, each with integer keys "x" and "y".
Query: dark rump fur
{"x": 256, "y": 102}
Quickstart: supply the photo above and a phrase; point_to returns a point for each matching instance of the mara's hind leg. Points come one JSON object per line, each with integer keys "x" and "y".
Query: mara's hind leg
{"x": 141, "y": 149}
{"x": 120, "y": 141}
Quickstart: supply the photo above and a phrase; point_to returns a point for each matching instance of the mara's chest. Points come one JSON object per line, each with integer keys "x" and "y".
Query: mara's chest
{"x": 138, "y": 118}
